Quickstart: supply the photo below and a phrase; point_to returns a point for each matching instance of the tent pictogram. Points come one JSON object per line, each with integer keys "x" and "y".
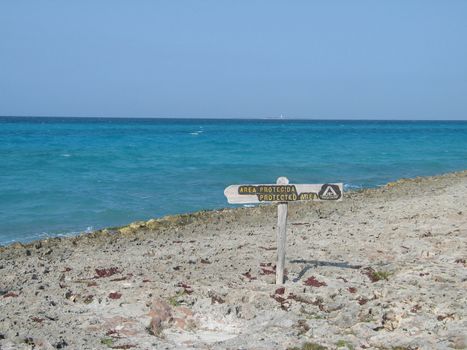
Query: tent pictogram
{"x": 329, "y": 192}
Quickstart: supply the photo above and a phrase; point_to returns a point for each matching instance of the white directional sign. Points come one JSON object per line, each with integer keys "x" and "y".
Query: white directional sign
{"x": 242, "y": 194}
{"x": 283, "y": 192}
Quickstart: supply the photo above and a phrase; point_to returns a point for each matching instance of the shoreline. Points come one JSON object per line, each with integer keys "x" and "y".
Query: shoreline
{"x": 159, "y": 222}
{"x": 384, "y": 268}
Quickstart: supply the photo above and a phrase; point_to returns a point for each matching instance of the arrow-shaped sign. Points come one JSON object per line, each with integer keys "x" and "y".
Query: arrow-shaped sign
{"x": 242, "y": 194}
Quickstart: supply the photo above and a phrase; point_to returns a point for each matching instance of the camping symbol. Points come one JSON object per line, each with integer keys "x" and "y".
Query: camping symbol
{"x": 330, "y": 192}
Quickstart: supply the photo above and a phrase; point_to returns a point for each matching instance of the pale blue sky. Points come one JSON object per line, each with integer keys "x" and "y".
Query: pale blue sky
{"x": 239, "y": 59}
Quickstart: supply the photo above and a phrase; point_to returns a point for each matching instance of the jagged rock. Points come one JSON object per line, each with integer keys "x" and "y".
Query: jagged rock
{"x": 43, "y": 344}
{"x": 136, "y": 225}
{"x": 152, "y": 224}
{"x": 161, "y": 316}
{"x": 391, "y": 320}
{"x": 126, "y": 230}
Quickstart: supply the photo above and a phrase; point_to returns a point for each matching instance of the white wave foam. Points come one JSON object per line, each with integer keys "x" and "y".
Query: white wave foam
{"x": 44, "y": 235}
{"x": 352, "y": 187}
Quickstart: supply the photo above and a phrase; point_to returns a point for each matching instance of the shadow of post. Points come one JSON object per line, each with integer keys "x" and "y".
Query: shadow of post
{"x": 315, "y": 263}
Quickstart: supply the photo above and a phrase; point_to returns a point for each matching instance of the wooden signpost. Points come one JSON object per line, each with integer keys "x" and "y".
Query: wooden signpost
{"x": 282, "y": 192}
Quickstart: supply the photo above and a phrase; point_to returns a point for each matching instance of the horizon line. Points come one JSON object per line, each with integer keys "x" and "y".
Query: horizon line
{"x": 225, "y": 118}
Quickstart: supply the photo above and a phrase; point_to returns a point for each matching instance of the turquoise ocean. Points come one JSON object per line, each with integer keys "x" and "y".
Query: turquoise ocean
{"x": 63, "y": 176}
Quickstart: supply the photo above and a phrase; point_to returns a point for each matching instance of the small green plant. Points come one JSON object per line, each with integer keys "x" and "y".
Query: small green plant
{"x": 314, "y": 317}
{"x": 382, "y": 275}
{"x": 313, "y": 346}
{"x": 342, "y": 343}
{"x": 309, "y": 346}
{"x": 107, "y": 341}
{"x": 114, "y": 228}
{"x": 376, "y": 276}
{"x": 173, "y": 300}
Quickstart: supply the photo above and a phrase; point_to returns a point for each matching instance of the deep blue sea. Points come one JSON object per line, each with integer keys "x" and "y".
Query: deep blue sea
{"x": 61, "y": 176}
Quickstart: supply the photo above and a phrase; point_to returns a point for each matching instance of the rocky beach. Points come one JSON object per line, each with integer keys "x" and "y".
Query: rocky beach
{"x": 386, "y": 268}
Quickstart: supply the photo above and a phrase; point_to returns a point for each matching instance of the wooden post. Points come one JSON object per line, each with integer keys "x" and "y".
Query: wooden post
{"x": 281, "y": 234}
{"x": 282, "y": 193}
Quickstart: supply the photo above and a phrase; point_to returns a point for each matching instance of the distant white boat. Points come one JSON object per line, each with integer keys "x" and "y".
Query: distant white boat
{"x": 280, "y": 117}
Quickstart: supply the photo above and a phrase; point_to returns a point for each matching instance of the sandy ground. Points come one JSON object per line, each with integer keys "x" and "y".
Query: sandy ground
{"x": 384, "y": 269}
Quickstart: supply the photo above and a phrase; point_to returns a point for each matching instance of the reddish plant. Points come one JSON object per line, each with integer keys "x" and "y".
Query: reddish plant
{"x": 352, "y": 290}
{"x": 313, "y": 282}
{"x": 115, "y": 295}
{"x": 186, "y": 288}
{"x": 267, "y": 272}
{"x": 248, "y": 275}
{"x": 10, "y": 295}
{"x": 100, "y": 273}
{"x": 285, "y": 304}
{"x": 280, "y": 291}
{"x": 267, "y": 269}
{"x": 278, "y": 298}
{"x": 362, "y": 300}
{"x": 443, "y": 317}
